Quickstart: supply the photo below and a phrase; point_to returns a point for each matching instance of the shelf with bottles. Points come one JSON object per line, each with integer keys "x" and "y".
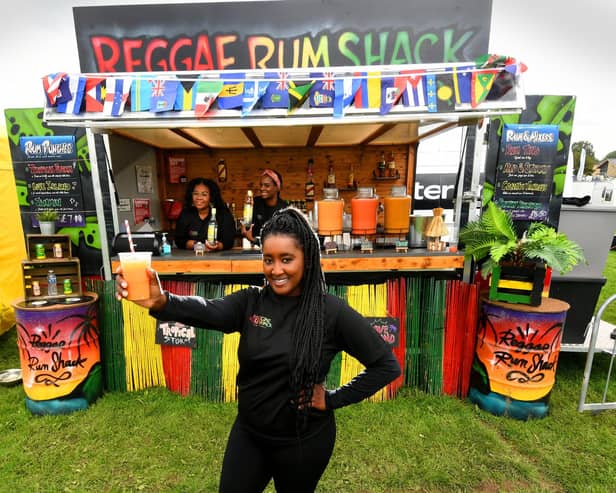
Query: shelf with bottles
{"x": 36, "y": 278}
{"x": 376, "y": 177}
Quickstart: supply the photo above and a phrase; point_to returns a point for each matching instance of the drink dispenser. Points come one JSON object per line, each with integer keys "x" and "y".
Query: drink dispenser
{"x": 330, "y": 213}
{"x": 397, "y": 211}
{"x": 363, "y": 212}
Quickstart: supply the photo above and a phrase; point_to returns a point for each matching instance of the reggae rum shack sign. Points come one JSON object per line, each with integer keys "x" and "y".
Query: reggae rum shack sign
{"x": 279, "y": 34}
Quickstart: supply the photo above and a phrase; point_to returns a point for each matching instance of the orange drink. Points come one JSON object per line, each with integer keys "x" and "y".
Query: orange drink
{"x": 134, "y": 266}
{"x": 330, "y": 217}
{"x": 397, "y": 212}
{"x": 363, "y": 212}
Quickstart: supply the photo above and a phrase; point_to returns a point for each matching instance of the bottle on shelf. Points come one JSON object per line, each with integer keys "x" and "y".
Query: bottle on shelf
{"x": 309, "y": 186}
{"x": 52, "y": 283}
{"x": 212, "y": 227}
{"x": 331, "y": 176}
{"x": 382, "y": 166}
{"x": 391, "y": 166}
{"x": 248, "y": 203}
{"x": 222, "y": 170}
{"x": 36, "y": 288}
{"x": 165, "y": 247}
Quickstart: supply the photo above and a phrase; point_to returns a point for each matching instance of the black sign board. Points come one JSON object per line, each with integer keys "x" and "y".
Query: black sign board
{"x": 176, "y": 334}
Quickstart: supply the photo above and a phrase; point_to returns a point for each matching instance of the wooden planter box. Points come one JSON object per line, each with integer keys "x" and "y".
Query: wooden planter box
{"x": 518, "y": 284}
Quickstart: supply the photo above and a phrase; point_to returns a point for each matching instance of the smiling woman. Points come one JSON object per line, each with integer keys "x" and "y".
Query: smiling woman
{"x": 290, "y": 331}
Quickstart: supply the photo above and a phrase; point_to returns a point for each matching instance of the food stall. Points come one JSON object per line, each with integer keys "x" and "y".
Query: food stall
{"x": 389, "y": 279}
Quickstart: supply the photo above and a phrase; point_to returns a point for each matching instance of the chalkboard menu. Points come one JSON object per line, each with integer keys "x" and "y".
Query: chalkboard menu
{"x": 52, "y": 178}
{"x": 525, "y": 169}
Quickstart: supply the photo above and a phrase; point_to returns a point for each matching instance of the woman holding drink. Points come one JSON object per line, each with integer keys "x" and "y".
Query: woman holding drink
{"x": 203, "y": 195}
{"x": 290, "y": 331}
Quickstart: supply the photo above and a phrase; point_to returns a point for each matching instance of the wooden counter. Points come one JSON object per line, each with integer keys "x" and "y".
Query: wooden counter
{"x": 238, "y": 261}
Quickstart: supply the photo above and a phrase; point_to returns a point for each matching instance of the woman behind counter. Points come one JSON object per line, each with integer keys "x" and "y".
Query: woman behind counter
{"x": 203, "y": 194}
{"x": 269, "y": 201}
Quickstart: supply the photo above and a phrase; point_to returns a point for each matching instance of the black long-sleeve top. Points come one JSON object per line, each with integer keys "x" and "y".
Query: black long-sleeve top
{"x": 190, "y": 226}
{"x": 262, "y": 212}
{"x": 265, "y": 322}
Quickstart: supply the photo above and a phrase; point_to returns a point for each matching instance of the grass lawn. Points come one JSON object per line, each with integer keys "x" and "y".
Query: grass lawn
{"x": 158, "y": 441}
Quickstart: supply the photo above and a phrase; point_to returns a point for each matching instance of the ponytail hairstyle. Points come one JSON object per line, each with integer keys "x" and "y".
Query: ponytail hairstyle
{"x": 309, "y": 330}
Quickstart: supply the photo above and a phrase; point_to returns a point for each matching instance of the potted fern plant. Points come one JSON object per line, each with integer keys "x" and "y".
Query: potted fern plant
{"x": 516, "y": 264}
{"x": 47, "y": 221}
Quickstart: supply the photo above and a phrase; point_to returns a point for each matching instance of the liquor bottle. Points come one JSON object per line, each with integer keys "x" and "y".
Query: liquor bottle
{"x": 391, "y": 166}
{"x": 248, "y": 209}
{"x": 309, "y": 186}
{"x": 36, "y": 288}
{"x": 331, "y": 177}
{"x": 382, "y": 165}
{"x": 222, "y": 171}
{"x": 52, "y": 284}
{"x": 212, "y": 227}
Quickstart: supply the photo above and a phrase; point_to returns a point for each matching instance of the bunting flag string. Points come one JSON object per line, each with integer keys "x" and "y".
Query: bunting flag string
{"x": 438, "y": 89}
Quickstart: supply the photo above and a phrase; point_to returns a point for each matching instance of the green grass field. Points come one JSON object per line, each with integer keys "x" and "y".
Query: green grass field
{"x": 158, "y": 441}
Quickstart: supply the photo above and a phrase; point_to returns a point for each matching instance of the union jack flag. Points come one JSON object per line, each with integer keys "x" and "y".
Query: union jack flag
{"x": 158, "y": 88}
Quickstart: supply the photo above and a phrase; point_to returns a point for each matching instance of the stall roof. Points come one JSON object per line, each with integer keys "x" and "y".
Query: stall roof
{"x": 399, "y": 123}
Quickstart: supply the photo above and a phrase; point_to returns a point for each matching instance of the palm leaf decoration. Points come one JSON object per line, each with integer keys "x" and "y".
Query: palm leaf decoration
{"x": 493, "y": 238}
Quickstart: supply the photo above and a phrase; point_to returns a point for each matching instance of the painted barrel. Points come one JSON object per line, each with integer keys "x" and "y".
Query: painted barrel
{"x": 516, "y": 355}
{"x": 59, "y": 352}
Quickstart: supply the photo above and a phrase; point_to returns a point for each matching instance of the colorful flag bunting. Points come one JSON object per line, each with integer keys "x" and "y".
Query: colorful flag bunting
{"x": 56, "y": 87}
{"x": 392, "y": 89}
{"x": 232, "y": 93}
{"x": 344, "y": 93}
{"x": 431, "y": 93}
{"x": 116, "y": 95}
{"x": 140, "y": 93}
{"x": 77, "y": 85}
{"x": 277, "y": 92}
{"x": 445, "y": 96}
{"x": 253, "y": 92}
{"x": 415, "y": 94}
{"x": 322, "y": 93}
{"x": 298, "y": 92}
{"x": 164, "y": 92}
{"x": 481, "y": 83}
{"x": 186, "y": 94}
{"x": 462, "y": 83}
{"x": 94, "y": 94}
{"x": 369, "y": 93}
{"x": 207, "y": 92}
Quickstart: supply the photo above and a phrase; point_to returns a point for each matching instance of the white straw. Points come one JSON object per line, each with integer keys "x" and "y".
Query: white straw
{"x": 130, "y": 237}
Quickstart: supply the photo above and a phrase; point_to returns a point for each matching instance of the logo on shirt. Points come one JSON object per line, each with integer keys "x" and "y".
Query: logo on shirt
{"x": 261, "y": 321}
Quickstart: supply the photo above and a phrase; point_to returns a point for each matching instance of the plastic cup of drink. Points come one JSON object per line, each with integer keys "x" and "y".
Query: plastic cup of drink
{"x": 134, "y": 266}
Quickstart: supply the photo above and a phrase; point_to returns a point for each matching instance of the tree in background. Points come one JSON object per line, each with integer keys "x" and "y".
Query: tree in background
{"x": 591, "y": 159}
{"x": 610, "y": 155}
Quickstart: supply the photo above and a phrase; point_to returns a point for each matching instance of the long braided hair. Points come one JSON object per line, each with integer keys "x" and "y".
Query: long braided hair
{"x": 309, "y": 326}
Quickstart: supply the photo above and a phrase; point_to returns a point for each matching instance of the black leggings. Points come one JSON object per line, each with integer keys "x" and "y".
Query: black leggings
{"x": 250, "y": 462}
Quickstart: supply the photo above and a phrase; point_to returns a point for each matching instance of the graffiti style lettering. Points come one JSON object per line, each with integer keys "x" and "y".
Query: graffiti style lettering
{"x": 324, "y": 49}
{"x": 508, "y": 338}
{"x": 59, "y": 363}
{"x": 36, "y": 341}
{"x": 34, "y": 364}
{"x": 539, "y": 364}
{"x": 509, "y": 360}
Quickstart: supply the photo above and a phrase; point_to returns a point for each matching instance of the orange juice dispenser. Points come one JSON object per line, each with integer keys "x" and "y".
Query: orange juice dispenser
{"x": 329, "y": 220}
{"x": 363, "y": 212}
{"x": 397, "y": 215}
